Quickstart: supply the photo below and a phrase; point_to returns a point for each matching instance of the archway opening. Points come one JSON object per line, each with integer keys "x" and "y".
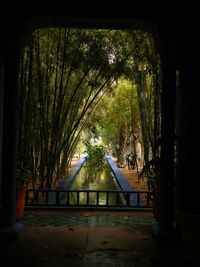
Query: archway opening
{"x": 83, "y": 83}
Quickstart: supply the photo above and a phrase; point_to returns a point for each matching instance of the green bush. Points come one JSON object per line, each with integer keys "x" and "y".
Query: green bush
{"x": 96, "y": 155}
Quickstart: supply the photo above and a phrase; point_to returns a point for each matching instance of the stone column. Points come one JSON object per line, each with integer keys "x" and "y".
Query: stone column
{"x": 188, "y": 166}
{"x": 188, "y": 129}
{"x": 166, "y": 199}
{"x": 9, "y": 56}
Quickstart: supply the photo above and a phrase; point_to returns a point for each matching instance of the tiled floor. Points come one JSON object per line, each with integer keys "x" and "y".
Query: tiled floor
{"x": 89, "y": 239}
{"x": 85, "y": 220}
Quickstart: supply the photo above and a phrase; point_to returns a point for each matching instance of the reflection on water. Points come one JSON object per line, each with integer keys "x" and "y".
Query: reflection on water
{"x": 93, "y": 179}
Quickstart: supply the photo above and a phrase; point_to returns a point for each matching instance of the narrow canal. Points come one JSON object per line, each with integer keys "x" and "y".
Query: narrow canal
{"x": 95, "y": 179}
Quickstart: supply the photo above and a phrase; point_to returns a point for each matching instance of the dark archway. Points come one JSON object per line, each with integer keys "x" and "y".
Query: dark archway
{"x": 176, "y": 47}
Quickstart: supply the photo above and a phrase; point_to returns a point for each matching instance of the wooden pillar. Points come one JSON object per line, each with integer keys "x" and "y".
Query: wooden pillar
{"x": 9, "y": 56}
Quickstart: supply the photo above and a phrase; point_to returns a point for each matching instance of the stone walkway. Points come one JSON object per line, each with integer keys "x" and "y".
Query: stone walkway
{"x": 89, "y": 239}
{"x": 87, "y": 219}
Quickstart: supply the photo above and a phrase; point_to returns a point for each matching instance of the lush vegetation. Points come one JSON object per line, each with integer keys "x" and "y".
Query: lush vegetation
{"x": 81, "y": 82}
{"x": 96, "y": 156}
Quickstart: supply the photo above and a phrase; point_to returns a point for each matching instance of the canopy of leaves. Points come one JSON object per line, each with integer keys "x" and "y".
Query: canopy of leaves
{"x": 114, "y": 110}
{"x": 64, "y": 73}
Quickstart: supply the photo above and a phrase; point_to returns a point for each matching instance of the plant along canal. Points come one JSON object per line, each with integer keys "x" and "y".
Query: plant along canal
{"x": 95, "y": 178}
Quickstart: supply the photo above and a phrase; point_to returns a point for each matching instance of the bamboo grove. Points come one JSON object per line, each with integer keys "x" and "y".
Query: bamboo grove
{"x": 64, "y": 74}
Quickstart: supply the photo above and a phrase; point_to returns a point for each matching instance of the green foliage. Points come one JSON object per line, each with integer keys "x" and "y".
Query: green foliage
{"x": 113, "y": 111}
{"x": 152, "y": 170}
{"x": 96, "y": 155}
{"x": 64, "y": 73}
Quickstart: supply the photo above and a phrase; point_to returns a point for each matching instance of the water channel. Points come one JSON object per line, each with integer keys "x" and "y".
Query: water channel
{"x": 94, "y": 179}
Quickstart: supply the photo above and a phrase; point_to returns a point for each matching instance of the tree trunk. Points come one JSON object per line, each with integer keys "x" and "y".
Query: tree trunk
{"x": 121, "y": 160}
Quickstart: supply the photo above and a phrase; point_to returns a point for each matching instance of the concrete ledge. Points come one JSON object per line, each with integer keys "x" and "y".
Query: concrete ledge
{"x": 122, "y": 182}
{"x": 67, "y": 181}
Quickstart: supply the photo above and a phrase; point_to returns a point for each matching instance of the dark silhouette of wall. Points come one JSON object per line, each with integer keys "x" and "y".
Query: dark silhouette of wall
{"x": 176, "y": 28}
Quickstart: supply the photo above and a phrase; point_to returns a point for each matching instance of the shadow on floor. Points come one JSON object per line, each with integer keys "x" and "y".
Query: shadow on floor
{"x": 89, "y": 239}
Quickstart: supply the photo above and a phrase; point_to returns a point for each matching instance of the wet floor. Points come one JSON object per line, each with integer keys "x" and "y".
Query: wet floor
{"x": 89, "y": 239}
{"x": 85, "y": 219}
